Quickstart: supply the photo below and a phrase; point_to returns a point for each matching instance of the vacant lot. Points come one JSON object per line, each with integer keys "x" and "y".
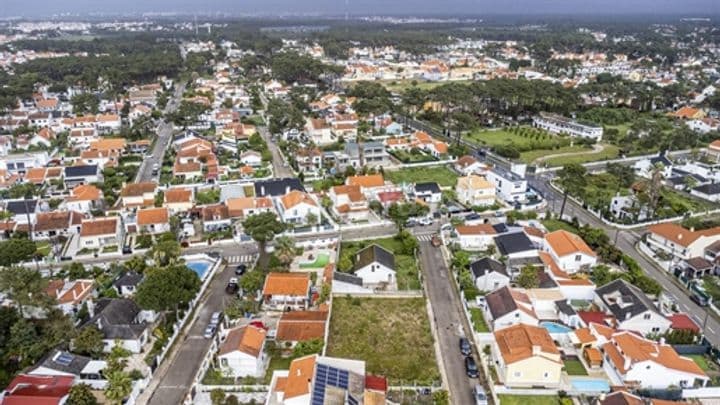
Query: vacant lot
{"x": 405, "y": 265}
{"x": 608, "y": 152}
{"x": 523, "y": 138}
{"x": 391, "y": 335}
{"x": 442, "y": 175}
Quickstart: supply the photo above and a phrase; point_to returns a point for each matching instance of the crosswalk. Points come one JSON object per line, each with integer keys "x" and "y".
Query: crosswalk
{"x": 424, "y": 238}
{"x": 240, "y": 259}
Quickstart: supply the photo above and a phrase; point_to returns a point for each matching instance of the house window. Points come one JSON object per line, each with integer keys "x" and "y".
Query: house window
{"x": 546, "y": 374}
{"x": 224, "y": 362}
{"x": 517, "y": 374}
{"x": 578, "y": 258}
{"x": 656, "y": 329}
{"x": 646, "y": 316}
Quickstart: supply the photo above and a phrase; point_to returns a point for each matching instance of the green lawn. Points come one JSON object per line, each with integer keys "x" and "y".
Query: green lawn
{"x": 529, "y": 399}
{"x": 276, "y": 363}
{"x": 574, "y": 367}
{"x": 320, "y": 261}
{"x": 524, "y": 138}
{"x": 532, "y": 155}
{"x": 442, "y": 175}
{"x": 701, "y": 361}
{"x": 478, "y": 320}
{"x": 413, "y": 157}
{"x": 610, "y": 152}
{"x": 398, "y": 86}
{"x": 555, "y": 224}
{"x": 406, "y": 267}
{"x": 622, "y": 128}
{"x": 392, "y": 335}
{"x": 43, "y": 248}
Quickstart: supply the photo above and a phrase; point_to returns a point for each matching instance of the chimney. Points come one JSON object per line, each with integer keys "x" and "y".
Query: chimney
{"x": 692, "y": 229}
{"x": 99, "y": 324}
{"x": 262, "y": 190}
{"x": 536, "y": 350}
{"x": 662, "y": 341}
{"x": 287, "y": 189}
{"x": 627, "y": 316}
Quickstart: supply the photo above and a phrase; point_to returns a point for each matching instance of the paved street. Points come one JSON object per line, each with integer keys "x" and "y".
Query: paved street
{"x": 449, "y": 322}
{"x": 177, "y": 372}
{"x": 280, "y": 167}
{"x": 164, "y": 135}
{"x": 626, "y": 241}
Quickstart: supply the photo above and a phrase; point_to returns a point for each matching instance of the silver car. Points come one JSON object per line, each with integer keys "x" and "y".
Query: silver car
{"x": 479, "y": 395}
{"x": 210, "y": 331}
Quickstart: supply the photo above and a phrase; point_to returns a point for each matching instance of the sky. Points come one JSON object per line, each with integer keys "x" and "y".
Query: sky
{"x": 30, "y": 8}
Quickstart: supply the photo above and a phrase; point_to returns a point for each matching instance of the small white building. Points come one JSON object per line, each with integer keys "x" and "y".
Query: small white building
{"x": 558, "y": 124}
{"x": 632, "y": 309}
{"x": 475, "y": 191}
{"x": 242, "y": 353}
{"x": 569, "y": 251}
{"x": 376, "y": 266}
{"x": 489, "y": 274}
{"x": 509, "y": 186}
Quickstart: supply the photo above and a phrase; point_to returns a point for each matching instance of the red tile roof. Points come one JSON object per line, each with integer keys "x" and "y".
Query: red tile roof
{"x": 683, "y": 322}
{"x": 37, "y": 390}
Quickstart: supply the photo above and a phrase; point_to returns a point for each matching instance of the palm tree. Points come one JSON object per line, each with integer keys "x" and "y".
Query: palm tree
{"x": 119, "y": 386}
{"x": 285, "y": 249}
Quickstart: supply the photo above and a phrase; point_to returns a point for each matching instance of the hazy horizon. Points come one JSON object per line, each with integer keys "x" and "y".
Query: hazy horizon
{"x": 689, "y": 8}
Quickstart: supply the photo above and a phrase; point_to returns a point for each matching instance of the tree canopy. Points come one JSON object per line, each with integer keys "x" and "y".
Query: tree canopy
{"x": 168, "y": 287}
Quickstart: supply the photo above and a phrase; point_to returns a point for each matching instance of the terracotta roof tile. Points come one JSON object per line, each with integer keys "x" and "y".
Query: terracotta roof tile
{"x": 517, "y": 343}
{"x": 564, "y": 243}
{"x": 246, "y": 339}
{"x": 294, "y": 284}
{"x": 150, "y": 216}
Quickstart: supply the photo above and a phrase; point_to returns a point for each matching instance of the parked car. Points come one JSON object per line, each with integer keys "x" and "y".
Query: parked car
{"x": 425, "y": 221}
{"x": 465, "y": 348}
{"x": 479, "y": 395}
{"x": 471, "y": 368}
{"x": 410, "y": 223}
{"x": 700, "y": 300}
{"x": 232, "y": 286}
{"x": 436, "y": 241}
{"x": 215, "y": 318}
{"x": 240, "y": 269}
{"x": 210, "y": 331}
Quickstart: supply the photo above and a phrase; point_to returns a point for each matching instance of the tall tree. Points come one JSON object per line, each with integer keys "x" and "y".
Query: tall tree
{"x": 166, "y": 288}
{"x": 119, "y": 386}
{"x": 81, "y": 394}
{"x": 89, "y": 341}
{"x": 25, "y": 286}
{"x": 285, "y": 249}
{"x": 528, "y": 277}
{"x": 165, "y": 251}
{"x": 572, "y": 180}
{"x": 262, "y": 228}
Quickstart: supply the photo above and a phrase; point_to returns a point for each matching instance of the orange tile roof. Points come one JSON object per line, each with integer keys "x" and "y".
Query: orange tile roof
{"x": 178, "y": 195}
{"x": 679, "y": 235}
{"x": 565, "y": 243}
{"x": 189, "y": 167}
{"x": 516, "y": 343}
{"x": 297, "y": 326}
{"x": 300, "y": 377}
{"x": 106, "y": 144}
{"x": 35, "y": 175}
{"x": 296, "y": 197}
{"x": 85, "y": 192}
{"x": 138, "y": 189}
{"x": 70, "y": 291}
{"x": 151, "y": 216}
{"x": 585, "y": 336}
{"x": 99, "y": 226}
{"x": 246, "y": 339}
{"x": 687, "y": 112}
{"x": 638, "y": 349}
{"x": 481, "y": 229}
{"x": 367, "y": 181}
{"x": 293, "y": 284}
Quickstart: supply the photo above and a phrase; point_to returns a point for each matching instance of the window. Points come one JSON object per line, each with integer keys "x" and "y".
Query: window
{"x": 517, "y": 374}
{"x": 578, "y": 258}
{"x": 546, "y": 374}
{"x": 646, "y": 316}
{"x": 656, "y": 329}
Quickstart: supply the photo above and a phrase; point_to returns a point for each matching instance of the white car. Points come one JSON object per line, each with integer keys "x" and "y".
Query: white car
{"x": 215, "y": 318}
{"x": 479, "y": 395}
{"x": 209, "y": 331}
{"x": 425, "y": 221}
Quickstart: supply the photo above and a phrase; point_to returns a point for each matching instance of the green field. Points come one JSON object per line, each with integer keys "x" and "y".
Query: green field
{"x": 555, "y": 224}
{"x": 532, "y": 155}
{"x": 506, "y": 136}
{"x": 442, "y": 175}
{"x": 574, "y": 367}
{"x": 609, "y": 152}
{"x": 406, "y": 268}
{"x": 529, "y": 399}
{"x": 391, "y": 335}
{"x": 398, "y": 86}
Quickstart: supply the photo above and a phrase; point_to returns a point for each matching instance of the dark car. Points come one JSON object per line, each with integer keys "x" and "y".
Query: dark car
{"x": 465, "y": 348}
{"x": 470, "y": 367}
{"x": 232, "y": 286}
{"x": 240, "y": 269}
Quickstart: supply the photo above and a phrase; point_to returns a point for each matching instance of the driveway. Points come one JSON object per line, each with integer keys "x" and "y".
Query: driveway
{"x": 280, "y": 168}
{"x": 449, "y": 322}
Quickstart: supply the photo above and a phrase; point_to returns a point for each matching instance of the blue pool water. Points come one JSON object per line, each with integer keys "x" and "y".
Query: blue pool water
{"x": 553, "y": 327}
{"x": 590, "y": 385}
{"x": 200, "y": 267}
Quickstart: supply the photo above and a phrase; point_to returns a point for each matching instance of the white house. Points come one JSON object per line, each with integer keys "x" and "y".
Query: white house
{"x": 349, "y": 202}
{"x": 99, "y": 232}
{"x": 569, "y": 251}
{"x": 286, "y": 290}
{"x": 638, "y": 362}
{"x": 376, "y": 266}
{"x": 429, "y": 192}
{"x": 475, "y": 237}
{"x": 526, "y": 357}
{"x": 319, "y": 131}
{"x": 632, "y": 309}
{"x": 242, "y": 353}
{"x": 506, "y": 307}
{"x": 296, "y": 206}
{"x": 475, "y": 191}
{"x": 681, "y": 242}
{"x": 509, "y": 186}
{"x": 121, "y": 320}
{"x": 70, "y": 295}
{"x": 83, "y": 369}
{"x": 560, "y": 125}
{"x": 489, "y": 274}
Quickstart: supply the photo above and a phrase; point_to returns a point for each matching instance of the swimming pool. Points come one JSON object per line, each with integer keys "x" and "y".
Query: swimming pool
{"x": 553, "y": 327}
{"x": 590, "y": 385}
{"x": 200, "y": 267}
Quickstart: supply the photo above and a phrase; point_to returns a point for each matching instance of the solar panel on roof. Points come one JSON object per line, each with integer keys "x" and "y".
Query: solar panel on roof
{"x": 64, "y": 359}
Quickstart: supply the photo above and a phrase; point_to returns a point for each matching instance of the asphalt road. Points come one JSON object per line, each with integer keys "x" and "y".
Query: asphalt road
{"x": 449, "y": 322}
{"x": 164, "y": 135}
{"x": 177, "y": 376}
{"x": 280, "y": 167}
{"x": 626, "y": 241}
